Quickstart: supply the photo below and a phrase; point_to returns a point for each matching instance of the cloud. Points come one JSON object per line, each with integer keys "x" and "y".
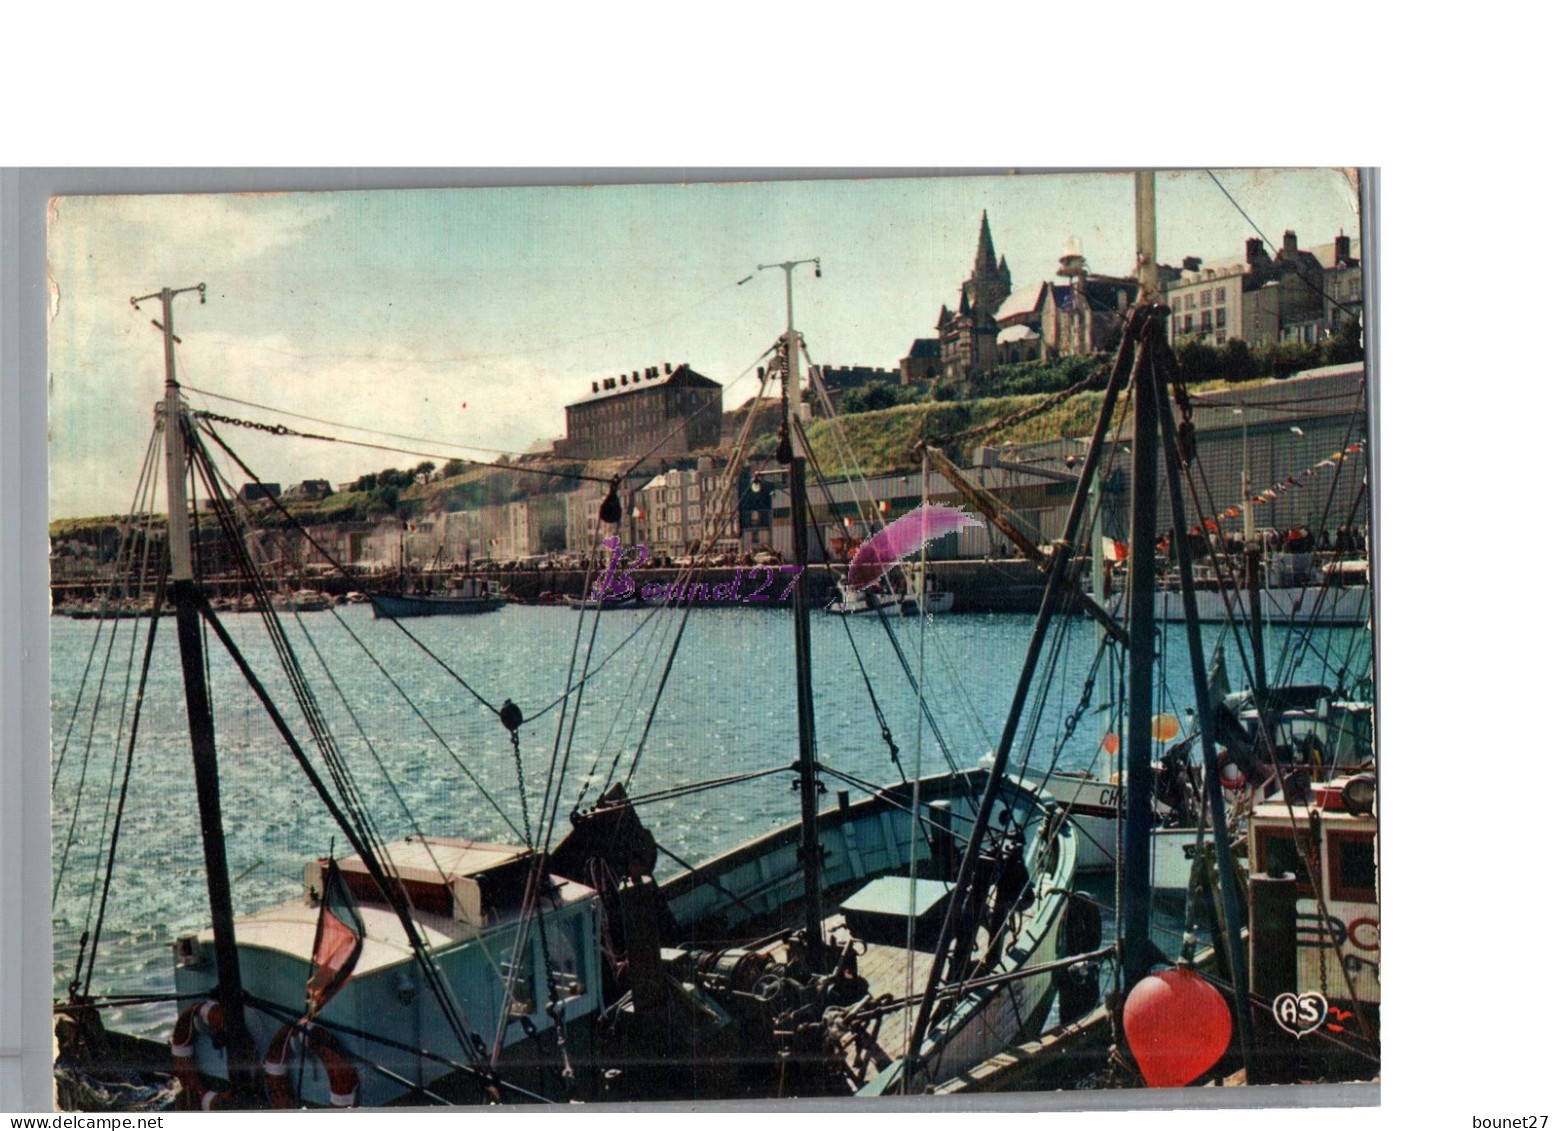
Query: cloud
{"x": 441, "y": 407}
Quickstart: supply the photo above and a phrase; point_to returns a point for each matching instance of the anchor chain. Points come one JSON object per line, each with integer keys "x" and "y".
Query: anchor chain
{"x": 273, "y": 429}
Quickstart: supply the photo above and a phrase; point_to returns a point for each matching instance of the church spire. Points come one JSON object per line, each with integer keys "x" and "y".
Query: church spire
{"x": 984, "y": 257}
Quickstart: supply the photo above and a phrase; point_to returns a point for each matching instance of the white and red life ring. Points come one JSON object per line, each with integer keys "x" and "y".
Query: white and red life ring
{"x": 202, "y": 1017}
{"x": 338, "y": 1070}
{"x": 1229, "y": 774}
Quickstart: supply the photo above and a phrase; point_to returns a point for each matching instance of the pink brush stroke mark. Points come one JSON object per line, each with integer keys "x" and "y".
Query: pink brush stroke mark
{"x": 902, "y": 537}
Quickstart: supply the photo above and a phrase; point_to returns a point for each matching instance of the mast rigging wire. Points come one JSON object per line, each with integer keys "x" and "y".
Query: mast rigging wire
{"x": 350, "y": 813}
{"x": 123, "y": 565}
{"x": 124, "y": 786}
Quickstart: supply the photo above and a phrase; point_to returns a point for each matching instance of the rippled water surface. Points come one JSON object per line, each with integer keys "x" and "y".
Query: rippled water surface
{"x": 448, "y": 768}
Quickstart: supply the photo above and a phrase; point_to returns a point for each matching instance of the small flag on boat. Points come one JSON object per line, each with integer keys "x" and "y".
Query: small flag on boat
{"x": 337, "y": 940}
{"x": 1115, "y": 551}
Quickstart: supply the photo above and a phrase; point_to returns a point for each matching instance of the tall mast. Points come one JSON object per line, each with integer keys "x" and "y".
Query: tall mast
{"x": 1141, "y": 594}
{"x": 811, "y": 847}
{"x": 1129, "y": 359}
{"x": 187, "y": 601}
{"x": 1233, "y": 910}
{"x": 1152, "y": 422}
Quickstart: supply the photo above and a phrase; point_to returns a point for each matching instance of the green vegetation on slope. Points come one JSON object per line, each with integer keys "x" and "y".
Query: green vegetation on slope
{"x": 884, "y": 441}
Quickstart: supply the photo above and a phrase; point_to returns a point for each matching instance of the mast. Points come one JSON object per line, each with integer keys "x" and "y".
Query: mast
{"x": 811, "y": 847}
{"x": 1129, "y": 360}
{"x": 1233, "y": 911}
{"x": 187, "y": 602}
{"x": 1141, "y": 593}
{"x": 1153, "y": 421}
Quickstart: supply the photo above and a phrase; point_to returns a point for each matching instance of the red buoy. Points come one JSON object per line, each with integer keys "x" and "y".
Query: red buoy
{"x": 1177, "y": 1025}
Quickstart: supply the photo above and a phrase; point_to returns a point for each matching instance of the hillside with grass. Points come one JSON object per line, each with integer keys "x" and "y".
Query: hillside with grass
{"x": 883, "y": 442}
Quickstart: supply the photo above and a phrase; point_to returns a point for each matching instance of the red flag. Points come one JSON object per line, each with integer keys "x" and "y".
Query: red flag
{"x": 1115, "y": 551}
{"x": 337, "y": 940}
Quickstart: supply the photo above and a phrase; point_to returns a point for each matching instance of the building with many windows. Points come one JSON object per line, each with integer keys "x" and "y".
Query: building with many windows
{"x": 673, "y": 411}
{"x": 1264, "y": 299}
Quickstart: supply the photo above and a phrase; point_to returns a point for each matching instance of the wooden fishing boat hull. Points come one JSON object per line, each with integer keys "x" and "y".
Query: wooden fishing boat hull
{"x": 398, "y": 608}
{"x": 1092, "y": 804}
{"x": 867, "y": 844}
{"x": 936, "y": 602}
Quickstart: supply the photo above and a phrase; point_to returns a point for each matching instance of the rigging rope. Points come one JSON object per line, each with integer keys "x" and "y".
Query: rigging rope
{"x": 349, "y": 812}
{"x": 881, "y": 615}
{"x": 283, "y": 430}
{"x": 124, "y": 787}
{"x": 124, "y": 566}
{"x": 345, "y": 572}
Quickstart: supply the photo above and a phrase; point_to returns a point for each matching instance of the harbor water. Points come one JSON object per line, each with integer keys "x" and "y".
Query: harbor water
{"x": 430, "y": 757}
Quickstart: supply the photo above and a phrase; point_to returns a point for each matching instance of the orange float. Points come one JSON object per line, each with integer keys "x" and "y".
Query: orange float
{"x": 1177, "y": 1026}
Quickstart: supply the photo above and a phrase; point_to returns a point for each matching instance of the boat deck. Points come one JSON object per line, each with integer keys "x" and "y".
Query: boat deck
{"x": 902, "y": 973}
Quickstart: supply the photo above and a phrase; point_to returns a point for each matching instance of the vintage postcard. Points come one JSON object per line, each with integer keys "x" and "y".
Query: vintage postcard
{"x": 718, "y": 641}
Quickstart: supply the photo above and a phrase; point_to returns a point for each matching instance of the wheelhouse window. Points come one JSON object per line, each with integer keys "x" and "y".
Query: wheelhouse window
{"x": 1352, "y": 868}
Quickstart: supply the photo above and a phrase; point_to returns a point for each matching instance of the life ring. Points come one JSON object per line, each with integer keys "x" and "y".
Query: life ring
{"x": 339, "y": 1070}
{"x": 1229, "y": 774}
{"x": 202, "y": 1017}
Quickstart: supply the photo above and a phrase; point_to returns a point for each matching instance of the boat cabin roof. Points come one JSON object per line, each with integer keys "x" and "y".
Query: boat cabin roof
{"x": 457, "y": 889}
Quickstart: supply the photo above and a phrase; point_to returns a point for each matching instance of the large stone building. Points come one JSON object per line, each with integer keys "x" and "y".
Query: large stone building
{"x": 966, "y": 338}
{"x": 1081, "y": 316}
{"x": 1298, "y": 295}
{"x": 993, "y": 325}
{"x": 670, "y": 410}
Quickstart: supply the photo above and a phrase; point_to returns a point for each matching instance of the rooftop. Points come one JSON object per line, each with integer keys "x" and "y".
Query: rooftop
{"x": 653, "y": 377}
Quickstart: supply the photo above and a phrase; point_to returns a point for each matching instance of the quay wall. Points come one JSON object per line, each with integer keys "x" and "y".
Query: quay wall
{"x": 1007, "y": 585}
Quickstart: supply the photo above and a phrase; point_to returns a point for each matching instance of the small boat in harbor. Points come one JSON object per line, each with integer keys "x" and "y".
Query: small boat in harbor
{"x": 303, "y": 601}
{"x": 593, "y": 604}
{"x": 852, "y": 601}
{"x": 924, "y": 593}
{"x": 465, "y": 597}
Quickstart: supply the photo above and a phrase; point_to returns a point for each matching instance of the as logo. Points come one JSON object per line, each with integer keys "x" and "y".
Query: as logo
{"x": 1299, "y": 1015}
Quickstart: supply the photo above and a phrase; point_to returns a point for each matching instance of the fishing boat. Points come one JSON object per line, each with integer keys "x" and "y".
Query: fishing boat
{"x": 465, "y": 597}
{"x": 851, "y": 601}
{"x": 1327, "y": 846}
{"x": 303, "y": 601}
{"x": 877, "y": 947}
{"x": 925, "y": 593}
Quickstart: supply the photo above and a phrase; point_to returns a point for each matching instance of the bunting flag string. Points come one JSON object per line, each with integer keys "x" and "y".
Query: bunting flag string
{"x": 1336, "y": 459}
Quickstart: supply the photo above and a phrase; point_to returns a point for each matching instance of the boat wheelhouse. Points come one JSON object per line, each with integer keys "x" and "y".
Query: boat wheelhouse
{"x": 467, "y": 900}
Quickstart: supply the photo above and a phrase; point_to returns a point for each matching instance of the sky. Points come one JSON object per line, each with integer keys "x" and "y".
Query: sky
{"x": 469, "y": 318}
